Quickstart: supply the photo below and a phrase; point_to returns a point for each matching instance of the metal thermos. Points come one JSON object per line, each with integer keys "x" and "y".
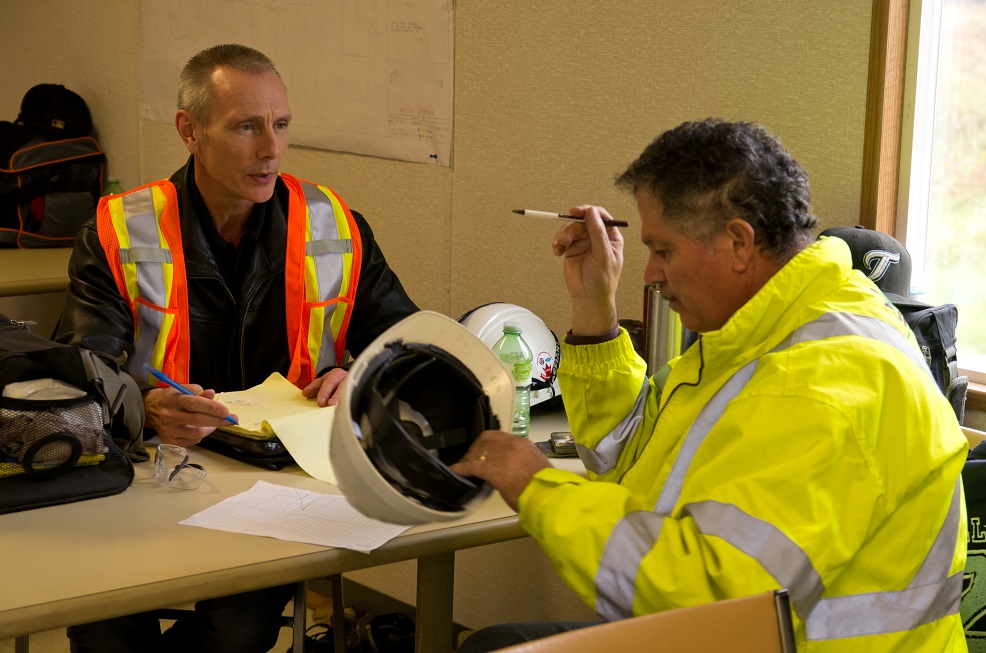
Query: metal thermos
{"x": 662, "y": 330}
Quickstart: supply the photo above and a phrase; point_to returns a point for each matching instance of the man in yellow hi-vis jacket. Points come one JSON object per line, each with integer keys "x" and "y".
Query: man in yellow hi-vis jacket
{"x": 801, "y": 443}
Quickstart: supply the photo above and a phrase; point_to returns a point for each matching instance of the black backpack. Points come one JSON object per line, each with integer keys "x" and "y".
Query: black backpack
{"x": 51, "y": 170}
{"x": 56, "y": 451}
{"x": 934, "y": 329}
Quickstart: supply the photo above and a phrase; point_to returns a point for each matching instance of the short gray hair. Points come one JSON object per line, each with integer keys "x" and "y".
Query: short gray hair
{"x": 195, "y": 80}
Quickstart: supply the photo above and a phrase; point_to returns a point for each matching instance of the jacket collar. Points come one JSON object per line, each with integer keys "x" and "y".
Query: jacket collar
{"x": 271, "y": 229}
{"x": 779, "y": 307}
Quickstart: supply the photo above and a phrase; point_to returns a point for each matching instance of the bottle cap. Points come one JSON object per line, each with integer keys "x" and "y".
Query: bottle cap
{"x": 512, "y": 327}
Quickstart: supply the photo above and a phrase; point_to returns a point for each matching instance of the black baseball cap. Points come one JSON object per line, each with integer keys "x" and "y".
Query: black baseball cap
{"x": 55, "y": 112}
{"x": 882, "y": 258}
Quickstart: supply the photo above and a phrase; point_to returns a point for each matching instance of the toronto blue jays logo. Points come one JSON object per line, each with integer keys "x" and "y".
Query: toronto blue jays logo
{"x": 878, "y": 261}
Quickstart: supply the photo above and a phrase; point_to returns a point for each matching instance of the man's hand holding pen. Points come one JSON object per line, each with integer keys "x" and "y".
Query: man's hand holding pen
{"x": 593, "y": 260}
{"x": 183, "y": 419}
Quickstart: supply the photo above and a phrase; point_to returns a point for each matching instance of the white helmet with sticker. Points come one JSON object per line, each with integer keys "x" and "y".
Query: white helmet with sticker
{"x": 486, "y": 323}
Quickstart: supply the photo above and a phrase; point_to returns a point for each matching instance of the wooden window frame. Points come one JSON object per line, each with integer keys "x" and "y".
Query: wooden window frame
{"x": 884, "y": 115}
{"x": 883, "y": 131}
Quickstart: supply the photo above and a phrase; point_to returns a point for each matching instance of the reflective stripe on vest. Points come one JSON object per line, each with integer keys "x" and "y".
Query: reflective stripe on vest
{"x": 141, "y": 235}
{"x": 931, "y": 595}
{"x": 321, "y": 279}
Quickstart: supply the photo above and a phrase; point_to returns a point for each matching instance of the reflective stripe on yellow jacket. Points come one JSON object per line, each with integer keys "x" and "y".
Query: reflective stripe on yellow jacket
{"x": 140, "y": 232}
{"x": 804, "y": 445}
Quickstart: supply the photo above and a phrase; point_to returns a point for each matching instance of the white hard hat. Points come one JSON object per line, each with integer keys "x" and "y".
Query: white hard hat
{"x": 413, "y": 402}
{"x": 486, "y": 323}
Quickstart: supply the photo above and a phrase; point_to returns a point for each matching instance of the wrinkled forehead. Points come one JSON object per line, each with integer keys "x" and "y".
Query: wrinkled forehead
{"x": 237, "y": 92}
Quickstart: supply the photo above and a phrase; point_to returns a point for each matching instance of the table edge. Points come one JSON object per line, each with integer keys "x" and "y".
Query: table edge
{"x": 83, "y": 609}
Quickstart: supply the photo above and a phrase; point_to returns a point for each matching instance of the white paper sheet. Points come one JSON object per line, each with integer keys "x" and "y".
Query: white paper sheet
{"x": 296, "y": 515}
{"x": 371, "y": 77}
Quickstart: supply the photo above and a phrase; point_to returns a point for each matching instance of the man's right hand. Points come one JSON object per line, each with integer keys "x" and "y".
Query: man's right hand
{"x": 183, "y": 419}
{"x": 593, "y": 261}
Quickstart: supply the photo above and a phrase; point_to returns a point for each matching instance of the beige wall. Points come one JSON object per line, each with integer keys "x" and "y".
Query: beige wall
{"x": 552, "y": 99}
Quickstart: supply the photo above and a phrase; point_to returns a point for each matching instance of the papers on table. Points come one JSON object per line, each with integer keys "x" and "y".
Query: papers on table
{"x": 296, "y": 515}
{"x": 306, "y": 436}
{"x": 277, "y": 408}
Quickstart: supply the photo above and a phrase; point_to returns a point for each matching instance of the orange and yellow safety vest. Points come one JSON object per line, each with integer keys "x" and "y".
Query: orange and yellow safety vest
{"x": 140, "y": 232}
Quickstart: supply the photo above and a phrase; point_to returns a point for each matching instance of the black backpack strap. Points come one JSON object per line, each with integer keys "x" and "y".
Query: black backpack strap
{"x": 121, "y": 395}
{"x": 956, "y": 393}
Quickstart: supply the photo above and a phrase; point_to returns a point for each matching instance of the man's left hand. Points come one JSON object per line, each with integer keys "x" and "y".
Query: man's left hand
{"x": 326, "y": 389}
{"x": 505, "y": 461}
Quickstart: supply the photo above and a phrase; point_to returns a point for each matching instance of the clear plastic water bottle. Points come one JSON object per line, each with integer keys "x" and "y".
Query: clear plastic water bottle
{"x": 113, "y": 186}
{"x": 518, "y": 357}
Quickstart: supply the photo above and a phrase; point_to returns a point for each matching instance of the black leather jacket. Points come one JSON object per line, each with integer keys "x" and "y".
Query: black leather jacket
{"x": 238, "y": 337}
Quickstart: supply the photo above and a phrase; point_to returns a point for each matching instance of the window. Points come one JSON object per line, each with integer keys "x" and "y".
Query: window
{"x": 941, "y": 213}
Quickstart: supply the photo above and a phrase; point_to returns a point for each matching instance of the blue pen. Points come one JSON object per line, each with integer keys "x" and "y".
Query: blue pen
{"x": 161, "y": 376}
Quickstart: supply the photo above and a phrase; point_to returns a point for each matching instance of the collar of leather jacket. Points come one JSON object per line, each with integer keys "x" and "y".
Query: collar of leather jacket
{"x": 271, "y": 234}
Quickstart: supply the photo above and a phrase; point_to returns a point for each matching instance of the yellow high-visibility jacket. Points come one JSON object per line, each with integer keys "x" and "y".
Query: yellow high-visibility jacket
{"x": 804, "y": 445}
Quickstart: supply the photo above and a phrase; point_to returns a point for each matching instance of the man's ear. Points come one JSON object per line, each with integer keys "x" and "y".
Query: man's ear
{"x": 186, "y": 126}
{"x": 742, "y": 242}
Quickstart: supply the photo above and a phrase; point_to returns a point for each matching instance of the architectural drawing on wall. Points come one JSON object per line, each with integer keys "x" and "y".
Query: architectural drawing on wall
{"x": 361, "y": 20}
{"x": 365, "y": 76}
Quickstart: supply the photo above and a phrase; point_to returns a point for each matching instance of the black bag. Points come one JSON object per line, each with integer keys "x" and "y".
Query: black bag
{"x": 55, "y": 451}
{"x": 934, "y": 329}
{"x": 48, "y": 189}
{"x": 270, "y": 454}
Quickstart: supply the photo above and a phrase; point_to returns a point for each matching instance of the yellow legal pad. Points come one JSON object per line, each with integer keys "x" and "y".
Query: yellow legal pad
{"x": 277, "y": 409}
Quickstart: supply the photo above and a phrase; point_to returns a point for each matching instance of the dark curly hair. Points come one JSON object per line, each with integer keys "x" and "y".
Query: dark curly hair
{"x": 706, "y": 172}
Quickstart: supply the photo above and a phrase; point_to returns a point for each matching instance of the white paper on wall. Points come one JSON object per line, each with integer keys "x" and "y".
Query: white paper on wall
{"x": 365, "y": 76}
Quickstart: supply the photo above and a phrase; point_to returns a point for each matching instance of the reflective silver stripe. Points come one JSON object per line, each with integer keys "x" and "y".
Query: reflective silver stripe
{"x": 145, "y": 255}
{"x": 831, "y": 325}
{"x": 608, "y": 451}
{"x": 884, "y": 612}
{"x": 317, "y": 247}
{"x": 765, "y": 543}
{"x": 697, "y": 433}
{"x": 328, "y": 264}
{"x": 142, "y": 229}
{"x": 926, "y": 599}
{"x": 931, "y": 595}
{"x": 626, "y": 547}
{"x": 620, "y": 562}
{"x": 939, "y": 560}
